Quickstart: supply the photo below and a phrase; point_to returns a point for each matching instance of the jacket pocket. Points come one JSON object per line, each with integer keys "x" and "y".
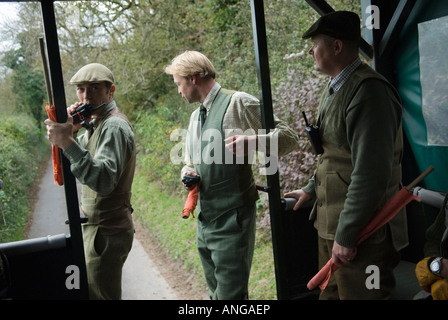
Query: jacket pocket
{"x": 336, "y": 187}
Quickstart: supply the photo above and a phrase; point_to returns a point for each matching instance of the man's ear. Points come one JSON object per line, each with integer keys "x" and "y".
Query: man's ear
{"x": 337, "y": 46}
{"x": 194, "y": 79}
{"x": 112, "y": 90}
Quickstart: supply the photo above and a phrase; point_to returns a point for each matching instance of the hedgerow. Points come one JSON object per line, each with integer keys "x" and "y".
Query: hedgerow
{"x": 22, "y": 149}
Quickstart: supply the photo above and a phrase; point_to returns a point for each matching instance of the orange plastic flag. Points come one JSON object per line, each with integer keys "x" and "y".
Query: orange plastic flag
{"x": 383, "y": 216}
{"x": 57, "y": 167}
{"x": 191, "y": 202}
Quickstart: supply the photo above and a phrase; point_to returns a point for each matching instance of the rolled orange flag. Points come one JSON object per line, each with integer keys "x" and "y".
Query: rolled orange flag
{"x": 190, "y": 204}
{"x": 383, "y": 216}
{"x": 57, "y": 167}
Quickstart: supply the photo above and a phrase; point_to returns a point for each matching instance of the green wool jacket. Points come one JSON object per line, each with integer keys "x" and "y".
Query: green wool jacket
{"x": 104, "y": 163}
{"x": 360, "y": 167}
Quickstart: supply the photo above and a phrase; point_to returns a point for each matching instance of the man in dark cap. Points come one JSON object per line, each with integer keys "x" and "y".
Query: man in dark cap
{"x": 103, "y": 160}
{"x": 359, "y": 120}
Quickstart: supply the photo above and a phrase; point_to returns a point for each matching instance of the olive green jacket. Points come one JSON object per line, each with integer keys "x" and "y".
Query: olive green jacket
{"x": 104, "y": 163}
{"x": 360, "y": 168}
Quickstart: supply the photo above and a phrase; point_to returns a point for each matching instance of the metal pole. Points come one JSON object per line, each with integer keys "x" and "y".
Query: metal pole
{"x": 267, "y": 115}
{"x": 71, "y": 193}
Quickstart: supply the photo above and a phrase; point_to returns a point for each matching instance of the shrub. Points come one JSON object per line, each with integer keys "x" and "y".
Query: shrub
{"x": 154, "y": 147}
{"x": 22, "y": 148}
{"x": 300, "y": 92}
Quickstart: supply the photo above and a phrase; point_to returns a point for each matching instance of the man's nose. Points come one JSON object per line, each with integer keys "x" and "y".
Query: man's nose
{"x": 84, "y": 97}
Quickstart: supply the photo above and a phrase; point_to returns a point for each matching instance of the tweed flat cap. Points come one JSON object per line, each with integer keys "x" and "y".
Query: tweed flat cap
{"x": 343, "y": 25}
{"x": 93, "y": 72}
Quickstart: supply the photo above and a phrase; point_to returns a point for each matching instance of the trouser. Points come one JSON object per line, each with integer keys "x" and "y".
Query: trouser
{"x": 226, "y": 247}
{"x": 369, "y": 276}
{"x": 105, "y": 257}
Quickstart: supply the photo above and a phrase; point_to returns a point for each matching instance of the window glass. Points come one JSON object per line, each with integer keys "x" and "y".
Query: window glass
{"x": 433, "y": 47}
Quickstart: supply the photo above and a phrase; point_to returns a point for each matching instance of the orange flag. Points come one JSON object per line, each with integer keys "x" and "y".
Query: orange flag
{"x": 57, "y": 167}
{"x": 191, "y": 202}
{"x": 383, "y": 216}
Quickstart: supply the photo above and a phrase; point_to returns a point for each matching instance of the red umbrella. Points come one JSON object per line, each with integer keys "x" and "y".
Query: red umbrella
{"x": 191, "y": 202}
{"x": 383, "y": 216}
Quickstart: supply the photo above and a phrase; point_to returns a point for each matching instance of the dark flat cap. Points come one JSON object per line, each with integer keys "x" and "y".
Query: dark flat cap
{"x": 343, "y": 25}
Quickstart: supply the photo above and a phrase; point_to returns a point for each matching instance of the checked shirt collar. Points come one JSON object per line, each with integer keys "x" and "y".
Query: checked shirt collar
{"x": 336, "y": 83}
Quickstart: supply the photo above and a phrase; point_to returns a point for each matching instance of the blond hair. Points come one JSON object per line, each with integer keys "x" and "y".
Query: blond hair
{"x": 191, "y": 63}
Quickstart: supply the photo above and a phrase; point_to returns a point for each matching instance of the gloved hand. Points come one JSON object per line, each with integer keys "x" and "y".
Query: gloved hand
{"x": 424, "y": 276}
{"x": 439, "y": 290}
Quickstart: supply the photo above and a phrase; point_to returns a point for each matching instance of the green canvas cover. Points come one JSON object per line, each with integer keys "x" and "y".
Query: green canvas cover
{"x": 422, "y": 81}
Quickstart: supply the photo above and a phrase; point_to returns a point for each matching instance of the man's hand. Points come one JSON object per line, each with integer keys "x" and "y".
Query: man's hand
{"x": 301, "y": 197}
{"x": 72, "y": 109}
{"x": 60, "y": 134}
{"x": 241, "y": 145}
{"x": 342, "y": 255}
{"x": 190, "y": 173}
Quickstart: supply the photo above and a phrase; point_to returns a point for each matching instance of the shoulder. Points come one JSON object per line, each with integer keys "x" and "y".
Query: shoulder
{"x": 368, "y": 80}
{"x": 379, "y": 87}
{"x": 245, "y": 99}
{"x": 366, "y": 73}
{"x": 119, "y": 123}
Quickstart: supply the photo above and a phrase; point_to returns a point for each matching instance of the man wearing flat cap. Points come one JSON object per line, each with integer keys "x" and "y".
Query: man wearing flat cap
{"x": 359, "y": 120}
{"x": 103, "y": 160}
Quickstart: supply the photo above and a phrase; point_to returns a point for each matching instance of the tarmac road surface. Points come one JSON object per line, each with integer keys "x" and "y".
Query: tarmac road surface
{"x": 141, "y": 278}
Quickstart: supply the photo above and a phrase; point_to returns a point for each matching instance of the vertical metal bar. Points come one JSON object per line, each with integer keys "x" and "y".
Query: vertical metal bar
{"x": 320, "y": 6}
{"x": 71, "y": 193}
{"x": 264, "y": 82}
{"x": 396, "y": 23}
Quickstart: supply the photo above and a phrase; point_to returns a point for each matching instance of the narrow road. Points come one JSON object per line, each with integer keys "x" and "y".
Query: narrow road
{"x": 141, "y": 278}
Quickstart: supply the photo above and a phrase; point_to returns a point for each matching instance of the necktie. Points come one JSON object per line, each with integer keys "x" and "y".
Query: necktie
{"x": 203, "y": 115}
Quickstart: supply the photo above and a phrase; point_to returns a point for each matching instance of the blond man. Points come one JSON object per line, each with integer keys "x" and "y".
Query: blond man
{"x": 227, "y": 192}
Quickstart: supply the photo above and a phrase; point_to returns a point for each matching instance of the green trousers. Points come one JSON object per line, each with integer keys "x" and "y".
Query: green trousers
{"x": 226, "y": 247}
{"x": 105, "y": 257}
{"x": 367, "y": 277}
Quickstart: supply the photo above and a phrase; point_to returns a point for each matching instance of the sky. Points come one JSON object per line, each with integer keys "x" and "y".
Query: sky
{"x": 7, "y": 10}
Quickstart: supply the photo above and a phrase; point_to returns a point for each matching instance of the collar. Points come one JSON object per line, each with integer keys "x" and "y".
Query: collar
{"x": 107, "y": 109}
{"x": 211, "y": 96}
{"x": 337, "y": 82}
